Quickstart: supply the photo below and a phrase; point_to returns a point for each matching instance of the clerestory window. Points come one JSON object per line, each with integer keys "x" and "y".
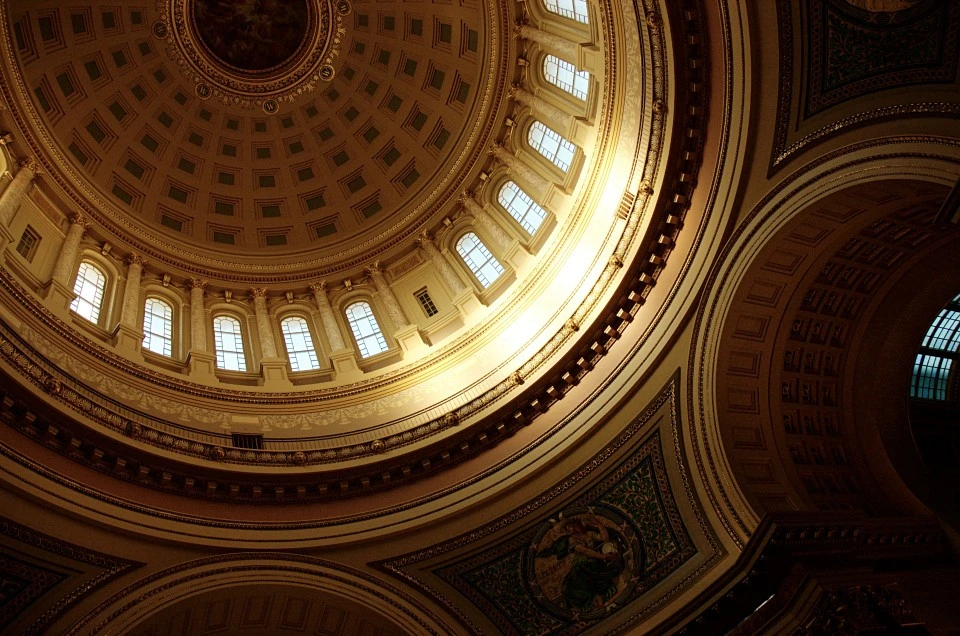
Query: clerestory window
{"x": 551, "y": 145}
{"x": 158, "y": 327}
{"x": 566, "y": 77}
{"x": 366, "y": 330}
{"x": 521, "y": 207}
{"x": 89, "y": 288}
{"x": 937, "y": 355}
{"x": 573, "y": 9}
{"x": 479, "y": 259}
{"x": 228, "y": 339}
{"x": 300, "y": 349}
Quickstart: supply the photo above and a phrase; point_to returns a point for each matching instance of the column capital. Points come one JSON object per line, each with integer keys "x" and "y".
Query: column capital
{"x": 197, "y": 283}
{"x": 30, "y": 163}
{"x": 76, "y": 218}
{"x": 465, "y": 196}
{"x": 518, "y": 25}
{"x": 319, "y": 288}
{"x": 425, "y": 237}
{"x": 134, "y": 259}
{"x": 514, "y": 88}
{"x": 259, "y": 292}
{"x": 374, "y": 268}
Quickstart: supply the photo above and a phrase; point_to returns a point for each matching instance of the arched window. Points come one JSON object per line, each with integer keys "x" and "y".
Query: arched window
{"x": 479, "y": 259}
{"x": 158, "y": 327}
{"x": 91, "y": 281}
{"x": 365, "y": 329}
{"x": 300, "y": 350}
{"x": 565, "y": 76}
{"x": 938, "y": 352}
{"x": 573, "y": 9}
{"x": 551, "y": 145}
{"x": 521, "y": 207}
{"x": 228, "y": 339}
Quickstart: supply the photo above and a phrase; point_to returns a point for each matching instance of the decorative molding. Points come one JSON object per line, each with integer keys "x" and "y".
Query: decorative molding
{"x": 111, "y": 568}
{"x": 520, "y": 530}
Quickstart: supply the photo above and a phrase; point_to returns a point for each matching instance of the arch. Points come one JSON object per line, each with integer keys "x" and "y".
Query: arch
{"x": 566, "y": 77}
{"x": 158, "y": 326}
{"x": 573, "y": 9}
{"x": 552, "y": 145}
{"x": 299, "y": 343}
{"x": 485, "y": 267}
{"x": 89, "y": 288}
{"x": 521, "y": 207}
{"x": 228, "y": 340}
{"x": 366, "y": 329}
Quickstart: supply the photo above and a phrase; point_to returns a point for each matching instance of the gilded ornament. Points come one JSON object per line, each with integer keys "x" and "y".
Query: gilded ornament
{"x": 53, "y": 386}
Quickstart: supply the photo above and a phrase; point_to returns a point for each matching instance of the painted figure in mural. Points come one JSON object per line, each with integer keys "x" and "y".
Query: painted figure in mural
{"x": 251, "y": 34}
{"x": 597, "y": 554}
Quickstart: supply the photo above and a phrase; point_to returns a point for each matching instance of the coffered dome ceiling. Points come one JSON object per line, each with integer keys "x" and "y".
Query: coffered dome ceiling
{"x": 190, "y": 138}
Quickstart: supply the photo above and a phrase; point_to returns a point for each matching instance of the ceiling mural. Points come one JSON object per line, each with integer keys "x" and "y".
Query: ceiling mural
{"x": 252, "y": 36}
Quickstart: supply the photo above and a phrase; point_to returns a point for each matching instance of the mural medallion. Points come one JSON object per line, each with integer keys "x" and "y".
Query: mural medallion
{"x": 252, "y": 35}
{"x": 584, "y": 563}
{"x": 253, "y": 53}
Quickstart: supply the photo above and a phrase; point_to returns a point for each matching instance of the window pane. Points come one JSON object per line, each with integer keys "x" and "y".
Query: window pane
{"x": 300, "y": 351}
{"x": 158, "y": 327}
{"x": 479, "y": 259}
{"x": 365, "y": 329}
{"x": 944, "y": 333}
{"x": 573, "y": 9}
{"x": 551, "y": 145}
{"x": 229, "y": 343}
{"x": 89, "y": 290}
{"x": 521, "y": 207}
{"x": 565, "y": 76}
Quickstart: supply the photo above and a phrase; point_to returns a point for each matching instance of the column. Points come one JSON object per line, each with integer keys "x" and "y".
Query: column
{"x": 13, "y": 196}
{"x": 530, "y": 178}
{"x": 59, "y": 291}
{"x": 268, "y": 344}
{"x": 343, "y": 358}
{"x": 273, "y": 369}
{"x": 330, "y": 326}
{"x": 464, "y": 298}
{"x": 198, "y": 322}
{"x": 397, "y": 316}
{"x": 406, "y": 334}
{"x": 485, "y": 220}
{"x": 554, "y": 117}
{"x": 201, "y": 362}
{"x": 442, "y": 264}
{"x": 559, "y": 46}
{"x": 129, "y": 334}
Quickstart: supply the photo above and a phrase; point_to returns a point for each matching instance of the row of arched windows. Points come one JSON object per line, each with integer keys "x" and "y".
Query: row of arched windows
{"x": 158, "y": 314}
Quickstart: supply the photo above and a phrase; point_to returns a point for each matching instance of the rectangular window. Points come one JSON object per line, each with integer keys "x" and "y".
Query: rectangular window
{"x": 426, "y": 303}
{"x": 29, "y": 240}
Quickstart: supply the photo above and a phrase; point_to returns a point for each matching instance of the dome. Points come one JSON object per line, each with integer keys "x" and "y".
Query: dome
{"x": 354, "y": 133}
